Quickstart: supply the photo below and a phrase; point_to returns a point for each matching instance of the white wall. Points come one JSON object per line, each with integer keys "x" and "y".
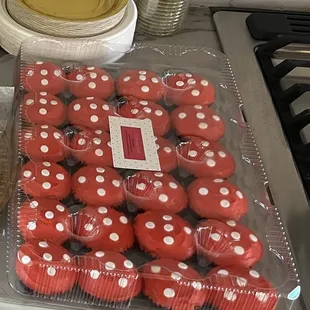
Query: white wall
{"x": 271, "y": 4}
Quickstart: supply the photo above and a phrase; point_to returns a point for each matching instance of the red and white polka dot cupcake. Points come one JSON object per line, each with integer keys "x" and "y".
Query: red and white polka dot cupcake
{"x": 91, "y": 81}
{"x": 155, "y": 191}
{"x": 43, "y": 77}
{"x": 45, "y": 180}
{"x": 143, "y": 109}
{"x": 44, "y": 109}
{"x": 98, "y": 186}
{"x": 228, "y": 244}
{"x": 46, "y": 268}
{"x": 217, "y": 199}
{"x": 45, "y": 219}
{"x": 96, "y": 224}
{"x": 173, "y": 285}
{"x": 142, "y": 84}
{"x": 109, "y": 276}
{"x": 190, "y": 89}
{"x": 165, "y": 235}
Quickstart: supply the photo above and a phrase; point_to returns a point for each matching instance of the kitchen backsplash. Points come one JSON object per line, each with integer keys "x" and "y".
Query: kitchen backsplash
{"x": 270, "y": 4}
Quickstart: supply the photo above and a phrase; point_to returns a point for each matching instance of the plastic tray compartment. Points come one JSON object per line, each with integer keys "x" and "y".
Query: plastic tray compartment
{"x": 227, "y": 252}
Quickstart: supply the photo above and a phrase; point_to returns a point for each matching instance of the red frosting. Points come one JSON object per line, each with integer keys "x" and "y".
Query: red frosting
{"x": 198, "y": 121}
{"x": 102, "y": 228}
{"x": 43, "y": 77}
{"x": 236, "y": 281}
{"x": 143, "y": 109}
{"x": 45, "y": 219}
{"x": 98, "y": 186}
{"x": 44, "y": 109}
{"x": 167, "y": 154}
{"x": 46, "y": 268}
{"x": 165, "y": 235}
{"x": 173, "y": 285}
{"x": 146, "y": 85}
{"x": 91, "y": 81}
{"x": 217, "y": 199}
{"x": 205, "y": 159}
{"x": 228, "y": 244}
{"x": 109, "y": 276}
{"x": 92, "y": 147}
{"x": 91, "y": 113}
{"x": 44, "y": 142}
{"x": 155, "y": 191}
{"x": 45, "y": 180}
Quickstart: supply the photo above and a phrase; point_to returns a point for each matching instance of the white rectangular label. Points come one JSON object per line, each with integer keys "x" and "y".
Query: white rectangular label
{"x": 133, "y": 144}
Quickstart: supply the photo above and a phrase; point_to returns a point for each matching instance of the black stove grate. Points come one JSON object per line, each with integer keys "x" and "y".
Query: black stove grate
{"x": 292, "y": 124}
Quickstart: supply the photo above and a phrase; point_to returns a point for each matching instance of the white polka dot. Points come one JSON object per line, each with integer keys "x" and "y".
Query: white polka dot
{"x": 49, "y": 215}
{"x": 105, "y": 107}
{"x": 211, "y": 162}
{"x": 204, "y": 83}
{"x": 51, "y": 271}
{"x": 34, "y": 204}
{"x": 54, "y": 102}
{"x": 43, "y": 111}
{"x": 203, "y": 191}
{"x": 167, "y": 217}
{"x": 126, "y": 79}
{"x": 46, "y": 185}
{"x": 205, "y": 144}
{"x": 123, "y": 220}
{"x": 60, "y": 176}
{"x": 94, "y": 274}
{"x": 159, "y": 112}
{"x": 31, "y": 225}
{"x": 93, "y": 106}
{"x": 191, "y": 82}
{"x": 195, "y": 92}
{"x": 116, "y": 183}
{"x": 216, "y": 237}
{"x": 163, "y": 198}
{"x": 158, "y": 174}
{"x": 45, "y": 172}
{"x": 223, "y": 272}
{"x": 110, "y": 266}
{"x": 114, "y": 237}
{"x": 150, "y": 225}
{"x": 200, "y": 115}
{"x": 27, "y": 173}
{"x": 134, "y": 111}
{"x": 225, "y": 203}
{"x": 48, "y": 257}
{"x": 102, "y": 210}
{"x": 235, "y": 235}
{"x": 253, "y": 238}
{"x": 99, "y": 254}
{"x": 254, "y": 274}
{"x": 30, "y": 73}
{"x": 142, "y": 77}
{"x": 82, "y": 180}
{"x": 179, "y": 83}
{"x": 94, "y": 118}
{"x": 44, "y": 72}
{"x": 155, "y": 269}
{"x": 158, "y": 184}
{"x": 123, "y": 282}
{"x": 43, "y": 93}
{"x": 141, "y": 186}
{"x": 145, "y": 89}
{"x": 209, "y": 154}
{"x": 99, "y": 179}
{"x": 60, "y": 227}
{"x": 90, "y": 68}
{"x": 44, "y": 149}
{"x": 216, "y": 118}
{"x": 44, "y": 135}
{"x": 176, "y": 276}
{"x": 239, "y": 194}
{"x": 239, "y": 250}
{"x": 188, "y": 75}
{"x": 100, "y": 170}
{"x": 107, "y": 221}
{"x": 222, "y": 154}
{"x": 60, "y": 208}
{"x": 224, "y": 191}
{"x": 43, "y": 101}
{"x": 182, "y": 115}
{"x": 197, "y": 285}
{"x": 142, "y": 72}
{"x": 79, "y": 77}
{"x": 57, "y": 72}
{"x": 101, "y": 192}
{"x": 231, "y": 296}
{"x": 143, "y": 102}
{"x": 192, "y": 153}
{"x": 93, "y": 75}
{"x": 29, "y": 101}
{"x": 92, "y": 85}
{"x": 44, "y": 82}
{"x": 231, "y": 223}
{"x": 168, "y": 227}
{"x": 167, "y": 149}
{"x": 89, "y": 227}
{"x": 203, "y": 125}
{"x": 147, "y": 110}
{"x": 242, "y": 282}
{"x": 77, "y": 107}
{"x": 47, "y": 164}
{"x": 99, "y": 152}
{"x": 66, "y": 257}
{"x": 43, "y": 244}
{"x": 169, "y": 293}
{"x": 173, "y": 185}
{"x": 168, "y": 240}
{"x": 155, "y": 80}
{"x": 104, "y": 78}
{"x": 182, "y": 266}
{"x": 187, "y": 230}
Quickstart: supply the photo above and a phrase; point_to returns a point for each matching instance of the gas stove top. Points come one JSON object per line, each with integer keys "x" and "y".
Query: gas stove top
{"x": 274, "y": 81}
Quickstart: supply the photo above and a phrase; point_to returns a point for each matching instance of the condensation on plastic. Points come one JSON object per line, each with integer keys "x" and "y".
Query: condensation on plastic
{"x": 277, "y": 264}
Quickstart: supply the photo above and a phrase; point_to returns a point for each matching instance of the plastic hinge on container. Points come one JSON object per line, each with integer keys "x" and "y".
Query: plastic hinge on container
{"x": 192, "y": 227}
